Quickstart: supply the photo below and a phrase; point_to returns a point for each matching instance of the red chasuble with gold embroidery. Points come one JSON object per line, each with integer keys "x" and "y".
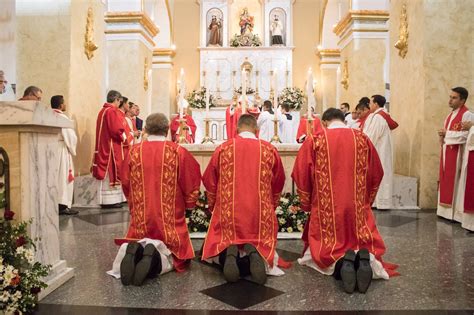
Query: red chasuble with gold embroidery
{"x": 161, "y": 180}
{"x": 231, "y": 121}
{"x": 338, "y": 173}
{"x": 243, "y": 180}
{"x": 174, "y": 126}
{"x": 108, "y": 144}
{"x": 303, "y": 128}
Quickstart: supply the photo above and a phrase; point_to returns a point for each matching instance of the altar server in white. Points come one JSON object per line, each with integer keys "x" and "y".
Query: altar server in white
{"x": 265, "y": 122}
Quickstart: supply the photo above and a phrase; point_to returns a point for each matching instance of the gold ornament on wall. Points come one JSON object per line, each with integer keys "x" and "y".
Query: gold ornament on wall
{"x": 145, "y": 75}
{"x": 345, "y": 75}
{"x": 89, "y": 45}
{"x": 402, "y": 43}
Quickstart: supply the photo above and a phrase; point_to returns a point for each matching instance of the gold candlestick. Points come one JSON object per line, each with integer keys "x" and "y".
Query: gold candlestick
{"x": 276, "y": 138}
{"x": 183, "y": 128}
{"x": 207, "y": 138}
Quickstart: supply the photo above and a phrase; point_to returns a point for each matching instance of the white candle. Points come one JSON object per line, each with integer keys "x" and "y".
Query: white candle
{"x": 207, "y": 102}
{"x": 309, "y": 91}
{"x": 244, "y": 90}
{"x": 275, "y": 92}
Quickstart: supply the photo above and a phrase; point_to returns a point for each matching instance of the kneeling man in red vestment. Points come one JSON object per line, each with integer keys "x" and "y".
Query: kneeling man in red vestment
{"x": 244, "y": 180}
{"x": 161, "y": 180}
{"x": 338, "y": 173}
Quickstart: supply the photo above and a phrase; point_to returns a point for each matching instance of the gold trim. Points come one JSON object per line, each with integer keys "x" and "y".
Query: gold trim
{"x": 360, "y": 31}
{"x": 164, "y": 52}
{"x": 163, "y": 62}
{"x": 89, "y": 45}
{"x": 402, "y": 43}
{"x": 145, "y": 74}
{"x": 329, "y": 62}
{"x": 360, "y": 15}
{"x": 130, "y": 17}
{"x": 129, "y": 31}
{"x": 329, "y": 52}
{"x": 170, "y": 20}
{"x": 321, "y": 21}
{"x": 345, "y": 75}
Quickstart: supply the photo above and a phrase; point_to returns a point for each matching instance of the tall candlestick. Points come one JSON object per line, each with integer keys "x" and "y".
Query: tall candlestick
{"x": 244, "y": 90}
{"x": 275, "y": 94}
{"x": 207, "y": 102}
{"x": 309, "y": 92}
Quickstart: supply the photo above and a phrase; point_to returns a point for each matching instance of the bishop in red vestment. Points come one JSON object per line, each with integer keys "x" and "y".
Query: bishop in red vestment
{"x": 243, "y": 181}
{"x": 232, "y": 115}
{"x": 161, "y": 180}
{"x": 337, "y": 174}
{"x": 190, "y": 133}
{"x": 108, "y": 154}
{"x": 303, "y": 128}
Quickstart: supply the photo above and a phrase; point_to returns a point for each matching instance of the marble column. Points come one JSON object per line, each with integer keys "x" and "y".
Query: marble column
{"x": 163, "y": 89}
{"x": 363, "y": 41}
{"x": 329, "y": 62}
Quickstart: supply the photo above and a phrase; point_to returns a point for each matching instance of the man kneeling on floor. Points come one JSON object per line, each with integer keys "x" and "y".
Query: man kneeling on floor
{"x": 243, "y": 181}
{"x": 160, "y": 179}
{"x": 338, "y": 173}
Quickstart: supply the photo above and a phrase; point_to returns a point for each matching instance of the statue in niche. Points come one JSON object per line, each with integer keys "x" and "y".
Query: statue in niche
{"x": 246, "y": 23}
{"x": 277, "y": 27}
{"x": 214, "y": 30}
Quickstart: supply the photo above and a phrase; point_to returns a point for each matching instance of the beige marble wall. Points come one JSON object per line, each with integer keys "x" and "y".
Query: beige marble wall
{"x": 86, "y": 80}
{"x": 162, "y": 91}
{"x": 365, "y": 63}
{"x": 329, "y": 87}
{"x": 43, "y": 47}
{"x": 439, "y": 58}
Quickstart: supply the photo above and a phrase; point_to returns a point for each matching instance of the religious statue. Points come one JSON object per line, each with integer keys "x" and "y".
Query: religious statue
{"x": 215, "y": 29}
{"x": 277, "y": 31}
{"x": 246, "y": 22}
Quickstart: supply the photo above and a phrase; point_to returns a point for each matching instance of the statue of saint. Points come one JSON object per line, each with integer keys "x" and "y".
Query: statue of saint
{"x": 215, "y": 28}
{"x": 277, "y": 31}
{"x": 246, "y": 22}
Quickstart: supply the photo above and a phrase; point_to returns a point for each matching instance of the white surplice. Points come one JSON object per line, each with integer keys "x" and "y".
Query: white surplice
{"x": 285, "y": 130}
{"x": 265, "y": 126}
{"x": 67, "y": 149}
{"x": 455, "y": 137}
{"x": 376, "y": 128}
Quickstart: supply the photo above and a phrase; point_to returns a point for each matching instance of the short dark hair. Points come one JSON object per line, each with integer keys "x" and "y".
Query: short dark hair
{"x": 346, "y": 105}
{"x": 247, "y": 120}
{"x": 332, "y": 114}
{"x": 32, "y": 91}
{"x": 113, "y": 95}
{"x": 286, "y": 107}
{"x": 57, "y": 101}
{"x": 123, "y": 101}
{"x": 379, "y": 99}
{"x": 364, "y": 100}
{"x": 362, "y": 106}
{"x": 157, "y": 124}
{"x": 267, "y": 104}
{"x": 463, "y": 93}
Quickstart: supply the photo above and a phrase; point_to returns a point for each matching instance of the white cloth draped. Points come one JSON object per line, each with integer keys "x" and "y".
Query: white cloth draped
{"x": 376, "y": 128}
{"x": 265, "y": 126}
{"x": 285, "y": 131}
{"x": 456, "y": 211}
{"x": 67, "y": 149}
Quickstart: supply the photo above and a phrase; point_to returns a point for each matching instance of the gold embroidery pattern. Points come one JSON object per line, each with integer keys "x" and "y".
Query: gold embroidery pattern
{"x": 168, "y": 195}
{"x": 324, "y": 197}
{"x": 266, "y": 204}
{"x": 137, "y": 193}
{"x": 192, "y": 196}
{"x": 226, "y": 193}
{"x": 361, "y": 160}
{"x": 305, "y": 197}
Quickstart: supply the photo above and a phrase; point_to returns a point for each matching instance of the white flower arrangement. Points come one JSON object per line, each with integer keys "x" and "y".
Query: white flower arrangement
{"x": 292, "y": 96}
{"x": 247, "y": 40}
{"x": 197, "y": 99}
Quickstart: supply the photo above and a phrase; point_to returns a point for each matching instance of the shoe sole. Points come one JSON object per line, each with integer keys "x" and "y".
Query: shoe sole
{"x": 127, "y": 266}
{"x": 257, "y": 265}
{"x": 231, "y": 270}
{"x": 144, "y": 265}
{"x": 364, "y": 273}
{"x": 348, "y": 273}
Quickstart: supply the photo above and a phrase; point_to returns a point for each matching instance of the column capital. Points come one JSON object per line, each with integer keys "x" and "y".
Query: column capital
{"x": 131, "y": 22}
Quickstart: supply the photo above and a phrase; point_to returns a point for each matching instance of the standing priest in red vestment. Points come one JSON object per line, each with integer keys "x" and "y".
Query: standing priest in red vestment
{"x": 303, "y": 127}
{"x": 337, "y": 173}
{"x": 190, "y": 133}
{"x": 243, "y": 181}
{"x": 161, "y": 180}
{"x": 108, "y": 156}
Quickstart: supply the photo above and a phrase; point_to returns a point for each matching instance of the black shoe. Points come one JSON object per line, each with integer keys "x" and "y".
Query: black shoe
{"x": 149, "y": 266}
{"x": 68, "y": 211}
{"x": 257, "y": 265}
{"x": 112, "y": 206}
{"x": 231, "y": 270}
{"x": 364, "y": 271}
{"x": 127, "y": 266}
{"x": 348, "y": 273}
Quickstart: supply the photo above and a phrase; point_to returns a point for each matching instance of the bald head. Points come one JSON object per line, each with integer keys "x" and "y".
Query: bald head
{"x": 157, "y": 124}
{"x": 247, "y": 123}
